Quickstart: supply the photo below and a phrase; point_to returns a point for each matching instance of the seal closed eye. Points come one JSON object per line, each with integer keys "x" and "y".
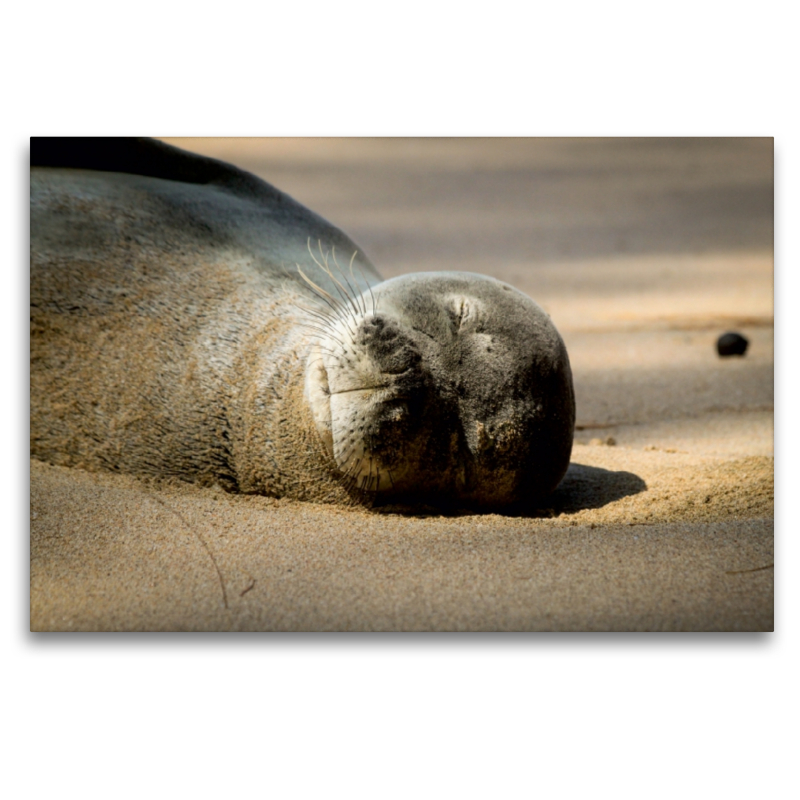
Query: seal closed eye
{"x": 189, "y": 320}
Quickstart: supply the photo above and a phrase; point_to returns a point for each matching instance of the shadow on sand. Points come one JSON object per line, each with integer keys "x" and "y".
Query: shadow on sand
{"x": 592, "y": 487}
{"x": 582, "y": 488}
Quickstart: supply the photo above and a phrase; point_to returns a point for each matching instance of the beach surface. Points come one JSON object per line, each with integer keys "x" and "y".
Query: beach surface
{"x": 643, "y": 252}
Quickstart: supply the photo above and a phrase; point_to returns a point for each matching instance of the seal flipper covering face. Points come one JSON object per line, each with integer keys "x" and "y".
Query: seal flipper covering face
{"x": 189, "y": 320}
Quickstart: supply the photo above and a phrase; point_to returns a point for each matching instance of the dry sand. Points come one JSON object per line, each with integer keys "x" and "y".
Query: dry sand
{"x": 643, "y": 252}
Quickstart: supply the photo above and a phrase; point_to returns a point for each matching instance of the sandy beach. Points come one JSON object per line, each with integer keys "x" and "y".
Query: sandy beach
{"x": 643, "y": 252}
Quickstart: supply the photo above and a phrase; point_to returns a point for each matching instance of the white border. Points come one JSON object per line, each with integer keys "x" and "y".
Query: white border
{"x": 638, "y": 716}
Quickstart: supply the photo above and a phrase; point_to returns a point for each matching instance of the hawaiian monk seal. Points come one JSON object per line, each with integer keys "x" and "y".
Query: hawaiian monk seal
{"x": 190, "y": 320}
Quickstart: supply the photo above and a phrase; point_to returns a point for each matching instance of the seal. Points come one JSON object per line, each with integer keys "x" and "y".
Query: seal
{"x": 190, "y": 320}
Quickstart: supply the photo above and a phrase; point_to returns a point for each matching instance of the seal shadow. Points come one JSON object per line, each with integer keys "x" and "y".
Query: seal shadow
{"x": 585, "y": 487}
{"x": 582, "y": 488}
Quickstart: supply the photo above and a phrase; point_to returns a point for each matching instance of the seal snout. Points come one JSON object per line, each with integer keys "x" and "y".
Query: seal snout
{"x": 387, "y": 344}
{"x": 365, "y": 385}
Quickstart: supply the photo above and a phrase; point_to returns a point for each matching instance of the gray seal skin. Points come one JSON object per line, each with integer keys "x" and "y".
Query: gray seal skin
{"x": 189, "y": 320}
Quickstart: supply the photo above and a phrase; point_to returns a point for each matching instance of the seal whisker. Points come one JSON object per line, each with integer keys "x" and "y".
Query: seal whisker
{"x": 309, "y": 326}
{"x": 351, "y": 475}
{"x": 332, "y": 353}
{"x": 339, "y": 313}
{"x": 364, "y": 278}
{"x": 332, "y": 330}
{"x": 335, "y": 304}
{"x": 354, "y": 293}
{"x": 320, "y": 335}
{"x": 315, "y": 330}
{"x": 326, "y": 319}
{"x": 349, "y": 302}
{"x": 324, "y": 268}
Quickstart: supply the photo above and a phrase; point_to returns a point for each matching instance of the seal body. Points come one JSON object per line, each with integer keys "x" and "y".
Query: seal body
{"x": 189, "y": 320}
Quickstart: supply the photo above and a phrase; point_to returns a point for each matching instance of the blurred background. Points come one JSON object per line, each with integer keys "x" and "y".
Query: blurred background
{"x": 643, "y": 251}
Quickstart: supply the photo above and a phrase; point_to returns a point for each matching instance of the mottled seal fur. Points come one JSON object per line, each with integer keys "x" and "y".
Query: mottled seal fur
{"x": 189, "y": 320}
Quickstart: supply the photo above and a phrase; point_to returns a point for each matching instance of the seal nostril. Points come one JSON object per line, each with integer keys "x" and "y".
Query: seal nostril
{"x": 399, "y": 361}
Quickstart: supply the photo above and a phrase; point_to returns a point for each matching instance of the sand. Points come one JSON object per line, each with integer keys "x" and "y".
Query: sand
{"x": 643, "y": 252}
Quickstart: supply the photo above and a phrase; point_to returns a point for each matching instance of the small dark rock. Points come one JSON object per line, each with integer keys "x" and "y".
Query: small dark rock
{"x": 732, "y": 344}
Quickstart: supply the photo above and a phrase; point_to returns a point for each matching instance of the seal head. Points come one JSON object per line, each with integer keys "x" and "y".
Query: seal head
{"x": 449, "y": 385}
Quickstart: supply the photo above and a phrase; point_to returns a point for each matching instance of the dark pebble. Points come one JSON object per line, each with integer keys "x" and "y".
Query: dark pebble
{"x": 732, "y": 344}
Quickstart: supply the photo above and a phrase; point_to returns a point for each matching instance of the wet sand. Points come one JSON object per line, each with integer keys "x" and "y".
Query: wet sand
{"x": 643, "y": 252}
